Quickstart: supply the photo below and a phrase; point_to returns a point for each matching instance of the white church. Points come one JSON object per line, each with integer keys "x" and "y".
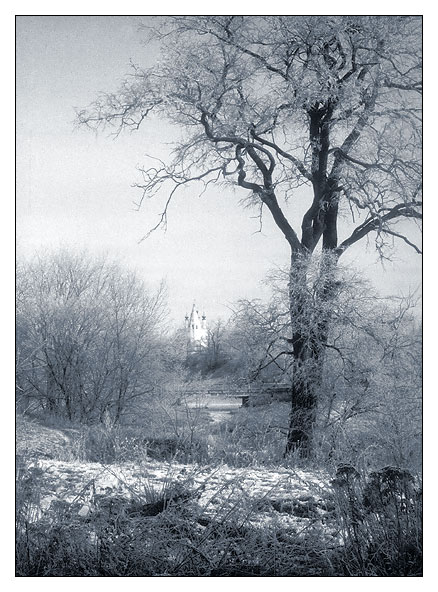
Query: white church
{"x": 197, "y": 333}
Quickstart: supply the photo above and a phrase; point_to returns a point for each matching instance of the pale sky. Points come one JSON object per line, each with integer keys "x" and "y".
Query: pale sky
{"x": 74, "y": 189}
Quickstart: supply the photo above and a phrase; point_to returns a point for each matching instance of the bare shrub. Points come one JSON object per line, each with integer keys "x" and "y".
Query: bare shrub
{"x": 380, "y": 520}
{"x": 88, "y": 333}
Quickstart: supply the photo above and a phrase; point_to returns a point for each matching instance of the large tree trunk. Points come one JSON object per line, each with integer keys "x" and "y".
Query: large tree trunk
{"x": 311, "y": 300}
{"x": 304, "y": 400}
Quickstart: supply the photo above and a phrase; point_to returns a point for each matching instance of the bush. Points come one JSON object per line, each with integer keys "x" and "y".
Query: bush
{"x": 380, "y": 520}
{"x": 89, "y": 338}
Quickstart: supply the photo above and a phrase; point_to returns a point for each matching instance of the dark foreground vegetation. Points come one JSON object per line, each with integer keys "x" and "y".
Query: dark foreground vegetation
{"x": 157, "y": 519}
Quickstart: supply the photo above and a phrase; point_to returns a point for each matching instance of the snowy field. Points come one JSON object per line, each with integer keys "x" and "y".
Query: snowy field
{"x": 294, "y": 498}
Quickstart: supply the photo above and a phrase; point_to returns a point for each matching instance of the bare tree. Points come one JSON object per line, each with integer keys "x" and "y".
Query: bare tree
{"x": 87, "y": 338}
{"x": 258, "y": 340}
{"x": 369, "y": 393}
{"x": 370, "y": 396}
{"x": 277, "y": 103}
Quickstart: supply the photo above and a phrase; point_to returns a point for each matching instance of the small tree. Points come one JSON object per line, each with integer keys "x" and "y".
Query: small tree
{"x": 275, "y": 104}
{"x": 369, "y": 411}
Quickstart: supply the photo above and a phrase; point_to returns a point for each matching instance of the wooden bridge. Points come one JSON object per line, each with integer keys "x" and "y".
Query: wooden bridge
{"x": 250, "y": 394}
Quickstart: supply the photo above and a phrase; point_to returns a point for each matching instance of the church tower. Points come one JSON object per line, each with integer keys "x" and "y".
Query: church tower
{"x": 196, "y": 328}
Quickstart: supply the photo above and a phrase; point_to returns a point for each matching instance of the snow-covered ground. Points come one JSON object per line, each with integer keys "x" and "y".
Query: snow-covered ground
{"x": 293, "y": 498}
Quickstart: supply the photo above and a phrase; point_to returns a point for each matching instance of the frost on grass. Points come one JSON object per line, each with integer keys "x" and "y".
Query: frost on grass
{"x": 258, "y": 496}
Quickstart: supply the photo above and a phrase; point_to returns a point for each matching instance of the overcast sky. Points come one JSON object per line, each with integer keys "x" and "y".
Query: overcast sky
{"x": 74, "y": 188}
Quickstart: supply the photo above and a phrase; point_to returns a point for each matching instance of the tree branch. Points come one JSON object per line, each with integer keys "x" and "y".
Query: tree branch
{"x": 301, "y": 168}
{"x": 377, "y": 223}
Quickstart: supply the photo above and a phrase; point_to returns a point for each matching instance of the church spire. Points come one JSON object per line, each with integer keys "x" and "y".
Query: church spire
{"x": 196, "y": 327}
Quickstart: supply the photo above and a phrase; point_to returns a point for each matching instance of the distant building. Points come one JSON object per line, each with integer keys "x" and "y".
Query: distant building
{"x": 197, "y": 334}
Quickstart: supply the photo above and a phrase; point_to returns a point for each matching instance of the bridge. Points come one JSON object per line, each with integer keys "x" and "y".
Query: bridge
{"x": 250, "y": 394}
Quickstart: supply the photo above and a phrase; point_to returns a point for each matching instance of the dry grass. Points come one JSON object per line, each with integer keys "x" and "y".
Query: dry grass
{"x": 146, "y": 517}
{"x": 144, "y": 527}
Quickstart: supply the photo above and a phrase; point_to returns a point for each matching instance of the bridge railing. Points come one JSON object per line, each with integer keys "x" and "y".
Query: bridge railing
{"x": 237, "y": 391}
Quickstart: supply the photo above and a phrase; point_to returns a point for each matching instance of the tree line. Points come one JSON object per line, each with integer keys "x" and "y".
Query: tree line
{"x": 87, "y": 337}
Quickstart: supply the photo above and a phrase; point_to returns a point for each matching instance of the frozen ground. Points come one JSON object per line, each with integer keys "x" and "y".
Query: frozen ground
{"x": 285, "y": 497}
{"x": 288, "y": 497}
